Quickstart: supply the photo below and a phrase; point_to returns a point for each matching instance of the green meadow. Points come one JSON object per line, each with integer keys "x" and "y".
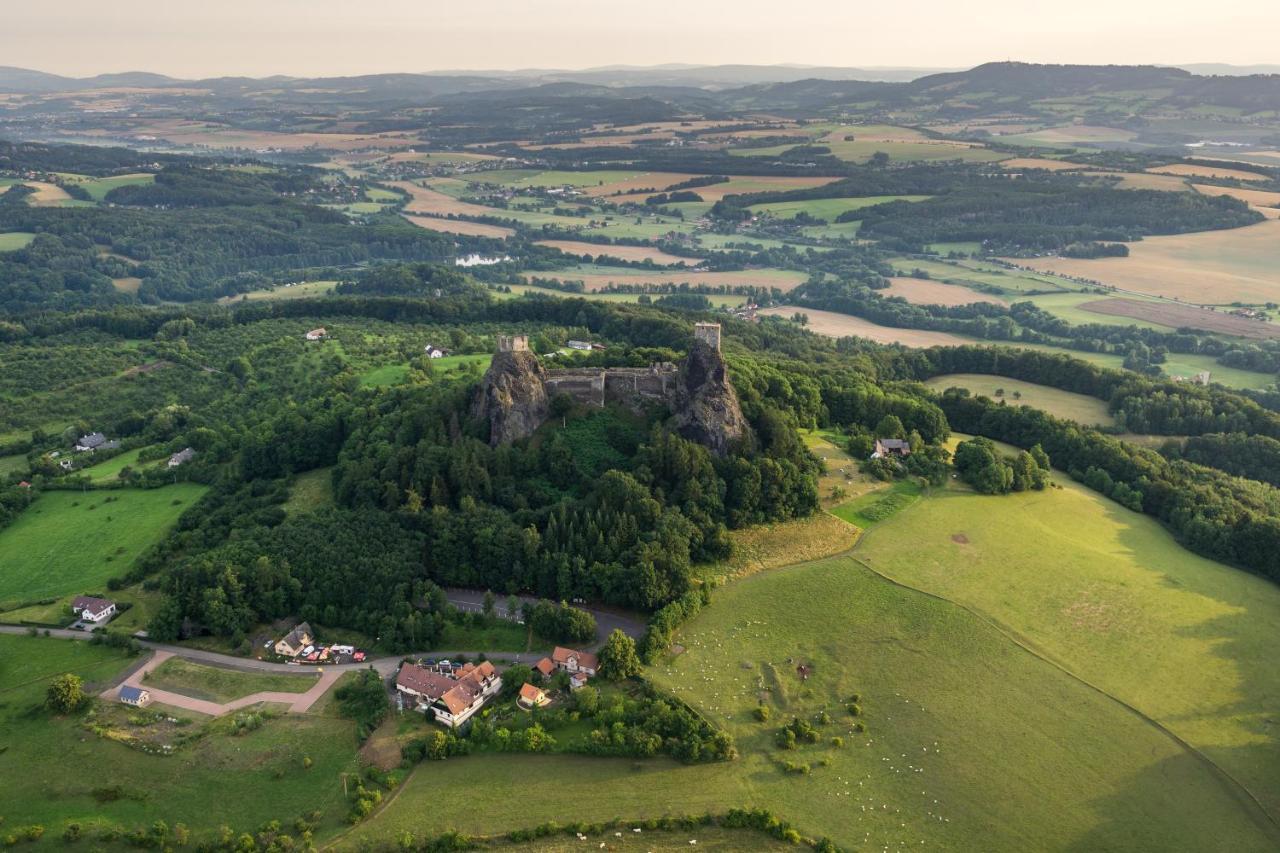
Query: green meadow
{"x": 979, "y": 273}
{"x": 828, "y": 208}
{"x": 219, "y": 779}
{"x": 1108, "y": 594}
{"x": 311, "y": 491}
{"x": 11, "y": 241}
{"x": 1081, "y": 408}
{"x": 72, "y": 542}
{"x": 99, "y": 187}
{"x": 217, "y": 684}
{"x": 110, "y": 470}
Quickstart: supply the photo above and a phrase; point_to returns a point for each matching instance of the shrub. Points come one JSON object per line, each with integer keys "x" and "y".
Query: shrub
{"x": 762, "y": 713}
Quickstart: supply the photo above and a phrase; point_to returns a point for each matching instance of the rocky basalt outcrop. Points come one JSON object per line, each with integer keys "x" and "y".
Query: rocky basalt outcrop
{"x": 512, "y": 397}
{"x": 706, "y": 406}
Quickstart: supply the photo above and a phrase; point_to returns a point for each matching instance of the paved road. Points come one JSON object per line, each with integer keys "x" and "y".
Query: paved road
{"x": 607, "y": 618}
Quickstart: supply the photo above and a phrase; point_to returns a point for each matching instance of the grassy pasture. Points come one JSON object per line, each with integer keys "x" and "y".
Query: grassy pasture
{"x": 99, "y": 187}
{"x": 827, "y": 208}
{"x": 11, "y": 241}
{"x": 1183, "y": 639}
{"x": 110, "y": 470}
{"x": 257, "y": 776}
{"x": 72, "y": 542}
{"x": 1210, "y": 267}
{"x": 1064, "y": 404}
{"x": 387, "y": 374}
{"x": 876, "y": 506}
{"x": 217, "y": 684}
{"x": 741, "y": 184}
{"x": 974, "y": 273}
{"x": 10, "y": 464}
{"x": 836, "y": 325}
{"x": 301, "y": 290}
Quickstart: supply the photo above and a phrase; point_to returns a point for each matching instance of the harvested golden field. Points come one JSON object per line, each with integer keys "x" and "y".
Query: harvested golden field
{"x": 458, "y": 226}
{"x": 784, "y": 280}
{"x": 1211, "y": 267}
{"x": 739, "y": 184}
{"x": 1145, "y": 181}
{"x": 1041, "y": 163}
{"x": 213, "y": 135}
{"x": 1253, "y": 198}
{"x": 625, "y": 253}
{"x": 429, "y": 202}
{"x": 1176, "y": 316}
{"x": 922, "y": 292}
{"x": 46, "y": 195}
{"x": 127, "y": 285}
{"x": 1205, "y": 171}
{"x": 835, "y": 325}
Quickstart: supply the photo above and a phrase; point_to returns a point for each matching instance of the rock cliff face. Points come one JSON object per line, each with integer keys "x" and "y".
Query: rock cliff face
{"x": 706, "y": 409}
{"x": 513, "y": 396}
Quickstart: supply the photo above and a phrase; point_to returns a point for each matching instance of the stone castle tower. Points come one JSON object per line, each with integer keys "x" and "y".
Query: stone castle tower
{"x": 513, "y": 343}
{"x": 708, "y": 333}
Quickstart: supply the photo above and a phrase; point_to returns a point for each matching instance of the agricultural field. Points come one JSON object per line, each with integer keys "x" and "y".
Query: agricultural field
{"x": 718, "y": 300}
{"x": 72, "y": 542}
{"x": 1070, "y": 307}
{"x": 827, "y": 209}
{"x": 258, "y": 775}
{"x": 460, "y": 226}
{"x": 1144, "y": 181}
{"x": 1175, "y": 316}
{"x": 1125, "y": 608}
{"x": 99, "y": 187}
{"x": 926, "y": 292}
{"x": 1085, "y": 410}
{"x": 977, "y": 274}
{"x": 740, "y": 185}
{"x": 835, "y": 325}
{"x": 300, "y": 290}
{"x": 11, "y": 241}
{"x": 1258, "y": 199}
{"x": 1017, "y": 164}
{"x": 221, "y": 685}
{"x": 1071, "y": 135}
{"x": 625, "y": 253}
{"x": 784, "y": 280}
{"x": 1209, "y": 267}
{"x": 1195, "y": 170}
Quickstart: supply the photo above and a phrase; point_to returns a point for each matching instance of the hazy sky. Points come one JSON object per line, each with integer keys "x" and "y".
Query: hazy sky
{"x": 325, "y": 37}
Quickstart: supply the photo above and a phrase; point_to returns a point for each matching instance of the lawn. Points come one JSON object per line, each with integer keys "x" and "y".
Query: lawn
{"x": 1080, "y": 408}
{"x": 72, "y": 542}
{"x": 220, "y": 779}
{"x": 216, "y": 684}
{"x": 1108, "y": 594}
{"x": 311, "y": 491}
{"x": 501, "y": 636}
{"x": 11, "y": 241}
{"x": 110, "y": 469}
{"x": 973, "y": 743}
{"x": 381, "y": 377}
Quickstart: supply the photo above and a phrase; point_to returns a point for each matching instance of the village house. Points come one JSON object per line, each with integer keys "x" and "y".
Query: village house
{"x": 532, "y": 697}
{"x": 545, "y": 667}
{"x": 184, "y": 455}
{"x": 292, "y": 644}
{"x": 134, "y": 696}
{"x": 572, "y": 661}
{"x": 579, "y": 345}
{"x": 450, "y": 698}
{"x": 90, "y": 442}
{"x": 317, "y": 334}
{"x": 891, "y": 447}
{"x": 435, "y": 351}
{"x": 90, "y": 609}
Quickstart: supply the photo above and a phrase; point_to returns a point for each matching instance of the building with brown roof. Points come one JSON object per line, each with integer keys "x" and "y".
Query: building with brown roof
{"x": 91, "y": 609}
{"x": 531, "y": 697}
{"x": 295, "y": 641}
{"x": 451, "y": 697}
{"x": 545, "y": 667}
{"x": 571, "y": 661}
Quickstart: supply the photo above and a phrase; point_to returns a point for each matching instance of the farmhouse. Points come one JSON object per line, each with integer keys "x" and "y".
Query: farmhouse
{"x": 90, "y": 442}
{"x": 317, "y": 334}
{"x": 435, "y": 351}
{"x": 295, "y": 641}
{"x": 135, "y": 696}
{"x": 531, "y": 697}
{"x": 891, "y": 447}
{"x": 184, "y": 455}
{"x": 453, "y": 697}
{"x": 572, "y": 661}
{"x": 92, "y": 609}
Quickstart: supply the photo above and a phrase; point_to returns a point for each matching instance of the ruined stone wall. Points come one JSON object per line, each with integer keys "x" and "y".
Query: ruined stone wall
{"x": 633, "y": 387}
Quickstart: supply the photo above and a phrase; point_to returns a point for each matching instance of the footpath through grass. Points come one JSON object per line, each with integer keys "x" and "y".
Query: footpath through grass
{"x": 1111, "y": 596}
{"x": 71, "y": 542}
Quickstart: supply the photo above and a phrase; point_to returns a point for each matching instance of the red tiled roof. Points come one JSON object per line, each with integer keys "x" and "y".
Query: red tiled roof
{"x": 93, "y": 605}
{"x": 530, "y": 694}
{"x": 545, "y": 666}
{"x": 423, "y": 681}
{"x": 586, "y": 660}
{"x": 460, "y": 697}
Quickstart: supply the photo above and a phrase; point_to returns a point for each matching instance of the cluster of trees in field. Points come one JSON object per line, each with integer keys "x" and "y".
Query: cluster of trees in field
{"x": 981, "y": 464}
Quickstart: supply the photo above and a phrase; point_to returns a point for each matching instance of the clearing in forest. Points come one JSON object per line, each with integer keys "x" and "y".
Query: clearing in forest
{"x": 1080, "y": 408}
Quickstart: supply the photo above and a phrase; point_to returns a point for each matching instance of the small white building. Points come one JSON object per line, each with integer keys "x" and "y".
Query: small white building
{"x": 90, "y": 609}
{"x": 433, "y": 351}
{"x": 135, "y": 696}
{"x": 184, "y": 455}
{"x": 317, "y": 334}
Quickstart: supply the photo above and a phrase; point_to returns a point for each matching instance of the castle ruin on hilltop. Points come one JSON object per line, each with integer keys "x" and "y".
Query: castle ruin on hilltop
{"x": 514, "y": 397}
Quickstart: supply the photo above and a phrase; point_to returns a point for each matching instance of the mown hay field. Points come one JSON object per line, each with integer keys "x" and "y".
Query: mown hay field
{"x": 926, "y": 292}
{"x": 625, "y": 253}
{"x": 836, "y": 325}
{"x": 1198, "y": 170}
{"x": 1210, "y": 267}
{"x": 1176, "y": 316}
